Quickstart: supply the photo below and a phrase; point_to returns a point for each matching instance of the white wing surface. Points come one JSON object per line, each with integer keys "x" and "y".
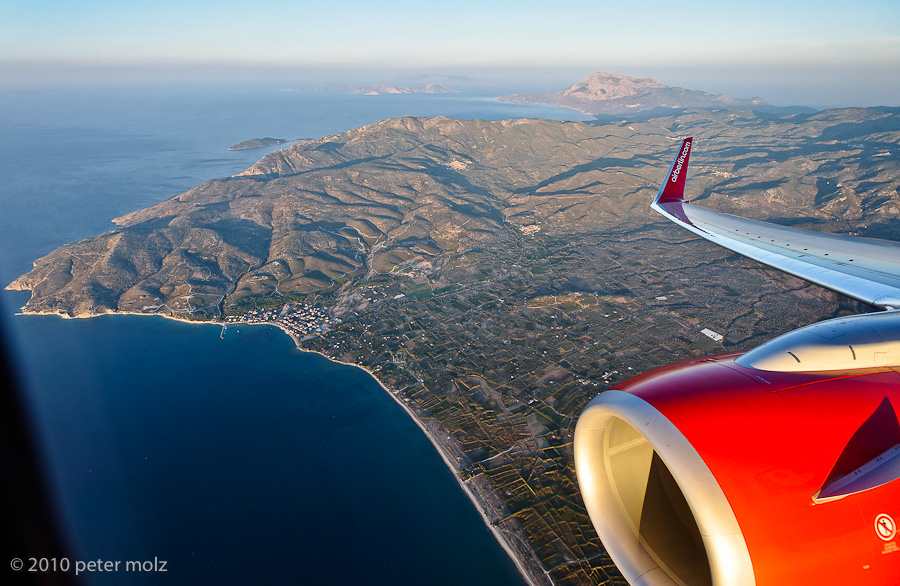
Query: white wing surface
{"x": 865, "y": 269}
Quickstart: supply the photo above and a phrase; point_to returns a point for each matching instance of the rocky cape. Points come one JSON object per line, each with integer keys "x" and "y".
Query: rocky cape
{"x": 257, "y": 143}
{"x": 413, "y": 193}
{"x": 605, "y": 93}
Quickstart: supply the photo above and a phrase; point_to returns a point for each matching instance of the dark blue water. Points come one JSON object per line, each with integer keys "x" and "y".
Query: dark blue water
{"x": 243, "y": 461}
{"x": 238, "y": 460}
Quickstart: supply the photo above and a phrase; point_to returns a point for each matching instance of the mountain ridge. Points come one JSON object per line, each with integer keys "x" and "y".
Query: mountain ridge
{"x": 424, "y": 191}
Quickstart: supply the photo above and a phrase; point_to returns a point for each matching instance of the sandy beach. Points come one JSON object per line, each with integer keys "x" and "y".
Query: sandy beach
{"x": 531, "y": 572}
{"x": 520, "y": 553}
{"x": 528, "y": 574}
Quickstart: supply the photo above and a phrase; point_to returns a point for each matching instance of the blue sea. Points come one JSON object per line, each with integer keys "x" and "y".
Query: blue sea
{"x": 237, "y": 460}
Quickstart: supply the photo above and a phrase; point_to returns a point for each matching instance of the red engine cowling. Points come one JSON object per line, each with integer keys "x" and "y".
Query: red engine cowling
{"x": 707, "y": 472}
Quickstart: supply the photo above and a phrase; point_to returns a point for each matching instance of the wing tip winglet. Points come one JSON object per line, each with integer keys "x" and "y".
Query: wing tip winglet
{"x": 672, "y": 189}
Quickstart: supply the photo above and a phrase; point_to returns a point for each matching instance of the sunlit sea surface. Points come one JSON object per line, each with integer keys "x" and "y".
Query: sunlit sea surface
{"x": 237, "y": 460}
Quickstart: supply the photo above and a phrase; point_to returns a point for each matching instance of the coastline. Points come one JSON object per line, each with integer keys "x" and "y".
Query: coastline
{"x": 527, "y": 575}
{"x": 531, "y": 576}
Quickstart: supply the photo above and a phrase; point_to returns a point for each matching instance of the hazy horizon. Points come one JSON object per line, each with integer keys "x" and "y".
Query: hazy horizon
{"x": 831, "y": 55}
{"x": 818, "y": 87}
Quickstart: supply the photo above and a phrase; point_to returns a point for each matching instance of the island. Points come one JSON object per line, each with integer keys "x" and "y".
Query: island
{"x": 495, "y": 276}
{"x": 612, "y": 94}
{"x": 378, "y": 89}
{"x": 257, "y": 143}
{"x": 386, "y": 88}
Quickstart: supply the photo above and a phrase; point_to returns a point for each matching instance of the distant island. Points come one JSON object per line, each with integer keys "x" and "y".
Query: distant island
{"x": 383, "y": 88}
{"x": 446, "y": 79}
{"x": 606, "y": 93}
{"x": 495, "y": 276}
{"x": 256, "y": 143}
{"x": 377, "y": 89}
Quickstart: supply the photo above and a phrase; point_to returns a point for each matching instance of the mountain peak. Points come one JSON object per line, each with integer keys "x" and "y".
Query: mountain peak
{"x": 604, "y": 85}
{"x": 605, "y": 93}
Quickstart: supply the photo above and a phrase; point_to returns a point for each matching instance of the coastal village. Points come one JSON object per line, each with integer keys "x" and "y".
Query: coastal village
{"x": 302, "y": 321}
{"x": 496, "y": 368}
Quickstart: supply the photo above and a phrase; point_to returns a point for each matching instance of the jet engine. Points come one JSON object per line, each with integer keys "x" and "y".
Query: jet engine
{"x": 718, "y": 472}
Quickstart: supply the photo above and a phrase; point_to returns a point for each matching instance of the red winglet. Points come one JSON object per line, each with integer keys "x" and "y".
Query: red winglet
{"x": 673, "y": 188}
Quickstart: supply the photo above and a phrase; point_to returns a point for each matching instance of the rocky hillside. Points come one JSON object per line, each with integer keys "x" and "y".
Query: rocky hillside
{"x": 410, "y": 194}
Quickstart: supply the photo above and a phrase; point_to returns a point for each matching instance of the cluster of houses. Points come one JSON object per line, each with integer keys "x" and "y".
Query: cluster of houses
{"x": 299, "y": 318}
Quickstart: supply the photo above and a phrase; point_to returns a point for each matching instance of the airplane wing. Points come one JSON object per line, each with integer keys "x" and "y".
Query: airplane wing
{"x": 865, "y": 269}
{"x": 780, "y": 465}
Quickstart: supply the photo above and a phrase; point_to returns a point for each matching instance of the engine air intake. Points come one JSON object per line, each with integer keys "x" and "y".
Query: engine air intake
{"x": 658, "y": 509}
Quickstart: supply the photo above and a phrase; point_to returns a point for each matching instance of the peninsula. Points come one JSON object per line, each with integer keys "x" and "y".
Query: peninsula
{"x": 257, "y": 143}
{"x": 495, "y": 276}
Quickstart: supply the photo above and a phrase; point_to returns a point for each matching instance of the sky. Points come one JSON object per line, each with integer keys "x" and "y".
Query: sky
{"x": 786, "y": 42}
